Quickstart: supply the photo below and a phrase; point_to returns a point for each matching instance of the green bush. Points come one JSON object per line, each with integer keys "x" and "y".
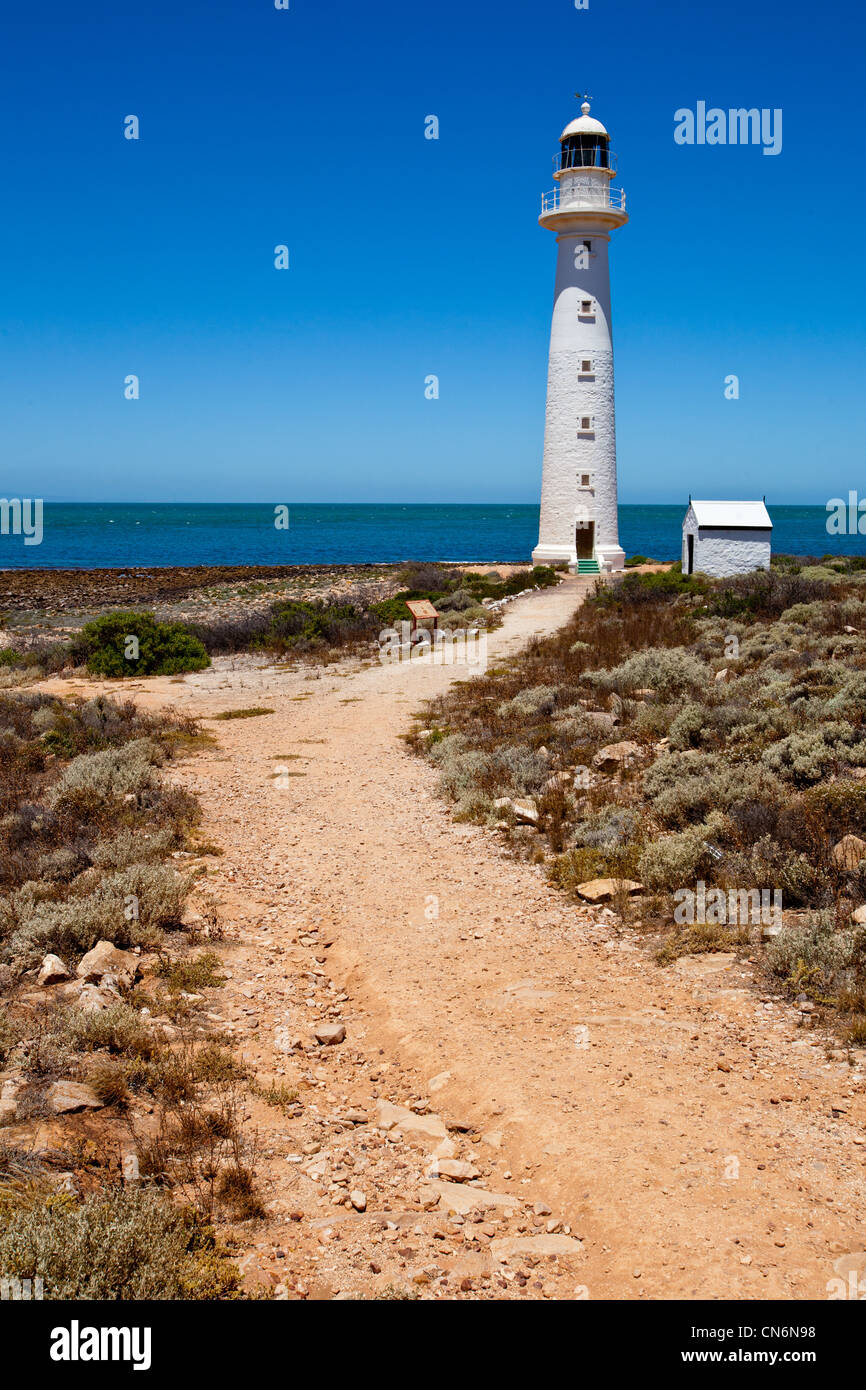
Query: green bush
{"x": 819, "y": 956}
{"x": 35, "y": 925}
{"x": 93, "y": 783}
{"x": 164, "y": 649}
{"x": 669, "y": 671}
{"x": 537, "y": 700}
{"x": 307, "y": 625}
{"x": 675, "y": 861}
{"x": 810, "y": 755}
{"x": 118, "y": 1245}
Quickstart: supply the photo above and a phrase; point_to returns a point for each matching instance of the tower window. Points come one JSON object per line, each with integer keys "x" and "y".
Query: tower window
{"x": 588, "y": 245}
{"x": 586, "y": 308}
{"x": 585, "y": 425}
{"x": 586, "y": 366}
{"x": 584, "y": 479}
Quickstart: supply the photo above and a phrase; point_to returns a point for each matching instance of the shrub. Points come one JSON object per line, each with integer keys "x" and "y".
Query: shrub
{"x": 818, "y": 956}
{"x": 721, "y": 787}
{"x": 608, "y": 829}
{"x": 838, "y": 807}
{"x": 309, "y": 625}
{"x": 673, "y": 861}
{"x": 72, "y": 927}
{"x": 537, "y": 700}
{"x": 108, "y": 1079}
{"x": 809, "y": 755}
{"x": 164, "y": 649}
{"x": 670, "y": 671}
{"x": 700, "y": 939}
{"x": 194, "y": 973}
{"x": 577, "y": 866}
{"x": 117, "y": 1245}
{"x": 119, "y": 1029}
{"x": 130, "y": 847}
{"x": 93, "y": 783}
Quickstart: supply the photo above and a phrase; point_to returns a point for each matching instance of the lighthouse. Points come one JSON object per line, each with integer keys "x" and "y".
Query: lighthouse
{"x": 578, "y": 490}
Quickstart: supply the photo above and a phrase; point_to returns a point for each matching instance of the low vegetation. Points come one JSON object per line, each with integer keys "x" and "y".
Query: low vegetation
{"x": 133, "y": 642}
{"x": 739, "y": 710}
{"x": 89, "y": 820}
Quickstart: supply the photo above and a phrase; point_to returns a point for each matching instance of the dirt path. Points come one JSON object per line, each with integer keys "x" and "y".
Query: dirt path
{"x": 691, "y": 1136}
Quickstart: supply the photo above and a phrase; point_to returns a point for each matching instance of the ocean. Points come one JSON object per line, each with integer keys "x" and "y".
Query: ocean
{"x": 109, "y": 535}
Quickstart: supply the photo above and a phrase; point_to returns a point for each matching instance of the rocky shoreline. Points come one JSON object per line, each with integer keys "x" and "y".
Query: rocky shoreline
{"x": 62, "y": 590}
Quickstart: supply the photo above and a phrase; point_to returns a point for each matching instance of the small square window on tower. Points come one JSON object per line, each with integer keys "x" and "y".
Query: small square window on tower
{"x": 586, "y": 368}
{"x": 585, "y": 424}
{"x": 587, "y": 309}
{"x": 584, "y": 480}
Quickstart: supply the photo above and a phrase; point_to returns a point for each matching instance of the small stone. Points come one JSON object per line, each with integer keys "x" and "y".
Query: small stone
{"x": 603, "y": 890}
{"x": 541, "y": 1209}
{"x": 106, "y": 959}
{"x": 848, "y": 853}
{"x": 358, "y": 1200}
{"x": 616, "y": 755}
{"x": 65, "y": 1097}
{"x": 328, "y": 1034}
{"x": 52, "y": 971}
{"x": 456, "y": 1169}
{"x": 94, "y": 998}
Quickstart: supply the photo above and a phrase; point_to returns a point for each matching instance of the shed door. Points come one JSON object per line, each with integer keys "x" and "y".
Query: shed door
{"x": 690, "y": 552}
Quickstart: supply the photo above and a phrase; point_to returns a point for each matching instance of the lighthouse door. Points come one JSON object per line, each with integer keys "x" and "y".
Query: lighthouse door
{"x": 584, "y": 539}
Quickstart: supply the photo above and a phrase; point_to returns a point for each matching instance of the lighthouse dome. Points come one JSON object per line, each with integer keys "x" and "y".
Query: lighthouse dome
{"x": 584, "y": 125}
{"x": 585, "y": 144}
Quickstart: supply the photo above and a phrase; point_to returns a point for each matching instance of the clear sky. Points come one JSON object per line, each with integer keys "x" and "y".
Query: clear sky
{"x": 411, "y": 257}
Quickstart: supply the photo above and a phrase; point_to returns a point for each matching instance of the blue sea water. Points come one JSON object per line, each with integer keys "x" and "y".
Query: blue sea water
{"x": 107, "y": 535}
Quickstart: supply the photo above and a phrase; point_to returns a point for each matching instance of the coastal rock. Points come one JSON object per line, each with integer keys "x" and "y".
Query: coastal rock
{"x": 523, "y": 811}
{"x": 52, "y": 971}
{"x": 456, "y": 1170}
{"x": 600, "y": 721}
{"x": 93, "y": 998}
{"x": 616, "y": 755}
{"x": 849, "y": 852}
{"x": 558, "y": 779}
{"x": 454, "y": 1197}
{"x": 390, "y": 1116}
{"x": 328, "y": 1034}
{"x": 9, "y": 1098}
{"x": 65, "y": 1097}
{"x": 603, "y": 890}
{"x": 106, "y": 959}
{"x": 535, "y": 1245}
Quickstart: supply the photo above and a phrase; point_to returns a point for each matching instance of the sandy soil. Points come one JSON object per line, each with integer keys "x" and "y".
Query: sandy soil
{"x": 681, "y": 1133}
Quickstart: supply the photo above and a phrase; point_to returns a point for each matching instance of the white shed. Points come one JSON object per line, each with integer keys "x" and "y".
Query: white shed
{"x": 725, "y": 538}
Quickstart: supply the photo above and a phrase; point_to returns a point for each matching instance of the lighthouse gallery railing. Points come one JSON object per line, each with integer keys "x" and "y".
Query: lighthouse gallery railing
{"x": 584, "y": 198}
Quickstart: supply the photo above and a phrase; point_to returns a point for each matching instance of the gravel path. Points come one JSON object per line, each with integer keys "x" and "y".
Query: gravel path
{"x": 685, "y": 1130}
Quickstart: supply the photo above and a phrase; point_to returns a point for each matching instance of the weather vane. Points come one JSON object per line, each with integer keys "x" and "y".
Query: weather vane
{"x": 583, "y": 96}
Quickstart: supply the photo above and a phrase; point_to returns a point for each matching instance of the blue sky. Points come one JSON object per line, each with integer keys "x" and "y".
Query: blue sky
{"x": 412, "y": 256}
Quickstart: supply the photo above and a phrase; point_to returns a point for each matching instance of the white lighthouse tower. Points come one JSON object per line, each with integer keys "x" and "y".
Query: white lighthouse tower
{"x": 578, "y": 489}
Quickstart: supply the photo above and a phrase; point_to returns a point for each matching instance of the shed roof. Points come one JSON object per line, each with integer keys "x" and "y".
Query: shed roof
{"x": 748, "y": 515}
